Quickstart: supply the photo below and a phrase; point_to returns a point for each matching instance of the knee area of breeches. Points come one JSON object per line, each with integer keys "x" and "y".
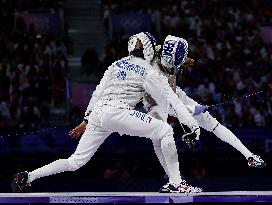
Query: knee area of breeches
{"x": 166, "y": 130}
{"x": 74, "y": 163}
{"x": 207, "y": 122}
{"x": 168, "y": 141}
{"x": 168, "y": 144}
{"x": 156, "y": 143}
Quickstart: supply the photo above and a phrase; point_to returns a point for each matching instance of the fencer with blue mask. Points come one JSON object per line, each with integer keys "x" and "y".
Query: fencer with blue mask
{"x": 168, "y": 63}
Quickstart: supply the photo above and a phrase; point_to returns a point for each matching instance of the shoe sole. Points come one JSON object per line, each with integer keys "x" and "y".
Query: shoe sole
{"x": 260, "y": 166}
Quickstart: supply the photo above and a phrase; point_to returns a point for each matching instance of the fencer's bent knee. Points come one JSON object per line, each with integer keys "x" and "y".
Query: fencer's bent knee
{"x": 157, "y": 143}
{"x": 166, "y": 130}
{"x": 206, "y": 121}
{"x": 168, "y": 142}
{"x": 75, "y": 163}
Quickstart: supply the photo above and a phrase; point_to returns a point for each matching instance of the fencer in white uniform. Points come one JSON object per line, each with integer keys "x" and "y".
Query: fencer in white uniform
{"x": 111, "y": 109}
{"x": 165, "y": 64}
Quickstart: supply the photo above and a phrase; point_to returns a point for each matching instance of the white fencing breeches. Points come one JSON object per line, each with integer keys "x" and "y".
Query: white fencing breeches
{"x": 106, "y": 119}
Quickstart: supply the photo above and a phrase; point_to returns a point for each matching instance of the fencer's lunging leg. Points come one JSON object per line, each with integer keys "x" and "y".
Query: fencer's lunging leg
{"x": 87, "y": 146}
{"x": 55, "y": 167}
{"x": 226, "y": 135}
{"x": 209, "y": 123}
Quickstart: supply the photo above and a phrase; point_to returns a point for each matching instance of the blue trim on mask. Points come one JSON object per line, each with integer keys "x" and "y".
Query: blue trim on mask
{"x": 152, "y": 38}
{"x": 180, "y": 53}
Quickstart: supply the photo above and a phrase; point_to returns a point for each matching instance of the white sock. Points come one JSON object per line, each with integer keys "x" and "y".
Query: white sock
{"x": 55, "y": 167}
{"x": 158, "y": 151}
{"x": 226, "y": 135}
{"x": 171, "y": 158}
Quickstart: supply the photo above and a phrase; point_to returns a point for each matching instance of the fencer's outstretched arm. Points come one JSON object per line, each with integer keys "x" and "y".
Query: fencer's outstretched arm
{"x": 157, "y": 86}
{"x": 98, "y": 92}
{"x": 186, "y": 100}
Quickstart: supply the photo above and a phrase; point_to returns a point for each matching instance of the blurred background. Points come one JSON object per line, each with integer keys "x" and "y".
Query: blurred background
{"x": 53, "y": 53}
